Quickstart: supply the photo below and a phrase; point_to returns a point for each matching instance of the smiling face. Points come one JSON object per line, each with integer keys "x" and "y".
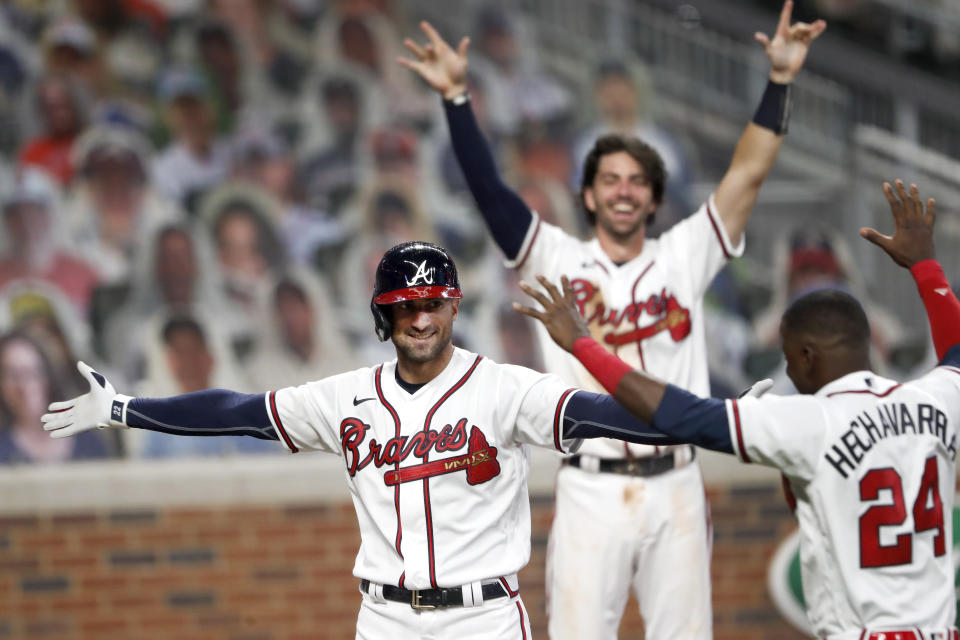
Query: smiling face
{"x": 423, "y": 329}
{"x": 28, "y": 226}
{"x": 23, "y": 381}
{"x": 176, "y": 267}
{"x": 58, "y": 109}
{"x": 621, "y": 196}
{"x": 616, "y": 98}
{"x": 188, "y": 358}
{"x": 117, "y": 182}
{"x": 192, "y": 120}
{"x": 295, "y": 317}
{"x": 238, "y": 245}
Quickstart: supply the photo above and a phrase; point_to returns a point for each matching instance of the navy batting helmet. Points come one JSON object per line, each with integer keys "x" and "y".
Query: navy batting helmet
{"x": 412, "y": 271}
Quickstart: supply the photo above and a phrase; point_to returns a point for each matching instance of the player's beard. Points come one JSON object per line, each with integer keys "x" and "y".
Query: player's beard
{"x": 617, "y": 227}
{"x": 420, "y": 351}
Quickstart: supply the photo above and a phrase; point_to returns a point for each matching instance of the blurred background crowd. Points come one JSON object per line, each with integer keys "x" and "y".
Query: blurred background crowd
{"x": 196, "y": 193}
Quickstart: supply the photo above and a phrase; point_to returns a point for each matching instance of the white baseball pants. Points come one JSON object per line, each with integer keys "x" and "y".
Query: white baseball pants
{"x": 501, "y": 618}
{"x": 613, "y": 532}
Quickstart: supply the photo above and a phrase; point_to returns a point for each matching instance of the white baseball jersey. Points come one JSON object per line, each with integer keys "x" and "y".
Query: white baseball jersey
{"x": 438, "y": 477}
{"x": 872, "y": 465}
{"x": 648, "y": 311}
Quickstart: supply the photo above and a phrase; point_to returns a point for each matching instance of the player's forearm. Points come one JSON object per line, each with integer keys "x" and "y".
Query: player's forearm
{"x": 597, "y": 415}
{"x": 670, "y": 410}
{"x": 506, "y": 215}
{"x": 737, "y": 192}
{"x": 214, "y": 412}
{"x": 690, "y": 418}
{"x": 639, "y": 393}
{"x": 754, "y": 157}
{"x": 760, "y": 143}
{"x": 942, "y": 306}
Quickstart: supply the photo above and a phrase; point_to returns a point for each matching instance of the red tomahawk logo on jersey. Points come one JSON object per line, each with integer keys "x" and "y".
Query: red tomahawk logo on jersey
{"x": 669, "y": 315}
{"x": 676, "y": 320}
{"x": 480, "y": 462}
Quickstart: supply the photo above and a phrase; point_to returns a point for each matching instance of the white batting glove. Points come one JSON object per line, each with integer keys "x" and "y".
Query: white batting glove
{"x": 757, "y": 389}
{"x": 92, "y": 410}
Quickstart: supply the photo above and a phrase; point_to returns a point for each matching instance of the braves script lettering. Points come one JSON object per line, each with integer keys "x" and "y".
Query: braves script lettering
{"x": 353, "y": 433}
{"x": 479, "y": 462}
{"x": 663, "y": 310}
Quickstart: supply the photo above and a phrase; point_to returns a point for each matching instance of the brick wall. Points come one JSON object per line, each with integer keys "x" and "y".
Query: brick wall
{"x": 259, "y": 573}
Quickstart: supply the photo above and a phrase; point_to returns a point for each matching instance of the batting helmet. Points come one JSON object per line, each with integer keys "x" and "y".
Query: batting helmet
{"x": 411, "y": 271}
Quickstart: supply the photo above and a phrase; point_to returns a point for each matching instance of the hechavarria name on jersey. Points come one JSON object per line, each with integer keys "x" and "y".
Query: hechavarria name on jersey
{"x": 887, "y": 421}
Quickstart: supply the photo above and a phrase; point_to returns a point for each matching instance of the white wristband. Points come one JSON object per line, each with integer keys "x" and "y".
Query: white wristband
{"x": 460, "y": 99}
{"x": 118, "y": 410}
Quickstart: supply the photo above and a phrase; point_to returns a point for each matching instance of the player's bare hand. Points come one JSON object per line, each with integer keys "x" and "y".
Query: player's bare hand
{"x": 440, "y": 65}
{"x": 83, "y": 413}
{"x": 788, "y": 48}
{"x": 560, "y": 314}
{"x": 912, "y": 239}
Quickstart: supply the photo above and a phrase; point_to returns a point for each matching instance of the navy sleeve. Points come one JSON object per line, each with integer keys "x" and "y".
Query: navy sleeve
{"x": 690, "y": 418}
{"x": 506, "y": 215}
{"x": 597, "y": 415}
{"x": 951, "y": 357}
{"x": 213, "y": 412}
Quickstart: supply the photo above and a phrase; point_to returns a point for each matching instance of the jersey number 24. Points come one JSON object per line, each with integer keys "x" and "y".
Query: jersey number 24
{"x": 925, "y": 518}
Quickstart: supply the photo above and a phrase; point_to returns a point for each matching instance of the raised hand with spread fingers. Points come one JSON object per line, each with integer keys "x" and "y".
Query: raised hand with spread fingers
{"x": 912, "y": 239}
{"x": 440, "y": 65}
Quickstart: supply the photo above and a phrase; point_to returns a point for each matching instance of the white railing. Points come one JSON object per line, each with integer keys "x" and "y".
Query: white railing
{"x": 708, "y": 70}
{"x": 945, "y": 14}
{"x": 881, "y": 156}
{"x": 690, "y": 63}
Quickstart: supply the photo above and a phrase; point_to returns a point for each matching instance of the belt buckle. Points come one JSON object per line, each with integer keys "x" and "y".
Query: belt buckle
{"x": 632, "y": 467}
{"x": 415, "y": 601}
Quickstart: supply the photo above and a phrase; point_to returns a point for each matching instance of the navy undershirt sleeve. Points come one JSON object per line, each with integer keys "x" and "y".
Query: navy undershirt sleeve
{"x": 506, "y": 215}
{"x": 951, "y": 357}
{"x": 690, "y": 418}
{"x": 213, "y": 412}
{"x": 597, "y": 415}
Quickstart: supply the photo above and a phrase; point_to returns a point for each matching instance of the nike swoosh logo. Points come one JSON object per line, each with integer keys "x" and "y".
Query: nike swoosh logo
{"x": 942, "y": 291}
{"x": 361, "y": 400}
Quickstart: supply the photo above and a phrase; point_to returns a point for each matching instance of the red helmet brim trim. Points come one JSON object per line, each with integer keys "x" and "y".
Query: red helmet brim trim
{"x": 417, "y": 293}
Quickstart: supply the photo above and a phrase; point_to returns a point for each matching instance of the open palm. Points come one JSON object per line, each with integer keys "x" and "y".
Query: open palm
{"x": 912, "y": 238}
{"x": 442, "y": 67}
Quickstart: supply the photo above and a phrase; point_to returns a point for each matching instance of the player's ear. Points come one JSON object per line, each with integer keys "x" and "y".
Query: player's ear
{"x": 811, "y": 358}
{"x": 455, "y": 304}
{"x": 589, "y": 199}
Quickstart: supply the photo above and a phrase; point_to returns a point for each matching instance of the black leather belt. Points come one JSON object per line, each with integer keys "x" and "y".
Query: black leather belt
{"x": 434, "y": 598}
{"x": 651, "y": 466}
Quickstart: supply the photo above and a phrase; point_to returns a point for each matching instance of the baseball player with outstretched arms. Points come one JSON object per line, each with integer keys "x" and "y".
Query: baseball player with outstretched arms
{"x": 871, "y": 462}
{"x": 434, "y": 446}
{"x": 627, "y": 515}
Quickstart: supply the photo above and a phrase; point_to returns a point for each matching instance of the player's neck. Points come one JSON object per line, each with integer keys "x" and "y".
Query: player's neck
{"x": 834, "y": 370}
{"x": 621, "y": 249}
{"x": 422, "y": 372}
